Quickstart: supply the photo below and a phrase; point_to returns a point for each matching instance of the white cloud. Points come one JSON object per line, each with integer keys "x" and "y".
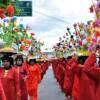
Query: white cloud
{"x": 50, "y": 17}
{"x": 51, "y": 38}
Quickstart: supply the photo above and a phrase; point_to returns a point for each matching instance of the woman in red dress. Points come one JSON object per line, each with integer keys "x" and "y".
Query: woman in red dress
{"x": 20, "y": 65}
{"x": 69, "y": 76}
{"x": 10, "y": 79}
{"x": 86, "y": 86}
{"x": 33, "y": 78}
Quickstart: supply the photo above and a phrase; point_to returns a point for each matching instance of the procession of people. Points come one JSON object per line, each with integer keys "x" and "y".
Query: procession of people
{"x": 78, "y": 76}
{"x": 19, "y": 78}
{"x": 75, "y": 60}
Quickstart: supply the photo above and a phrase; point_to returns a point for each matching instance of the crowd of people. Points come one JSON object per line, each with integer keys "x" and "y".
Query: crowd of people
{"x": 78, "y": 76}
{"x": 19, "y": 77}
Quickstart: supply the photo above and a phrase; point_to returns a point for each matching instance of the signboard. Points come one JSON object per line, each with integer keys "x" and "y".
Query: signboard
{"x": 25, "y": 8}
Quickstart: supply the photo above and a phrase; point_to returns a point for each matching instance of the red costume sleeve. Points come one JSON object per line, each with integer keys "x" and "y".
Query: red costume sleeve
{"x": 90, "y": 68}
{"x": 93, "y": 73}
{"x": 90, "y": 60}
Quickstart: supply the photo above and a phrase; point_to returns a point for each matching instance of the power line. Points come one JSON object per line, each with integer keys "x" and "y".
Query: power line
{"x": 52, "y": 17}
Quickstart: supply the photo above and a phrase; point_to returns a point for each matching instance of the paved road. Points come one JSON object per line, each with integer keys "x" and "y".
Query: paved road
{"x": 49, "y": 88}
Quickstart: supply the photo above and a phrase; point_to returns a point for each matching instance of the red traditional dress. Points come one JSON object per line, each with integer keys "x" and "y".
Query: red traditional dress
{"x": 86, "y": 88}
{"x": 69, "y": 77}
{"x": 23, "y": 88}
{"x": 33, "y": 79}
{"x": 94, "y": 74}
{"x": 10, "y": 83}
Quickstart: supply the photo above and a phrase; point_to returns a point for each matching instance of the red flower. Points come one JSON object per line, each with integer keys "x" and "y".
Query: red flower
{"x": 97, "y": 34}
{"x": 91, "y": 9}
{"x": 10, "y": 10}
{"x": 32, "y": 33}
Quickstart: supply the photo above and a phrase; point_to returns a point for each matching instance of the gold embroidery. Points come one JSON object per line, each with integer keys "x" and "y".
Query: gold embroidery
{"x": 18, "y": 70}
{"x": 5, "y": 73}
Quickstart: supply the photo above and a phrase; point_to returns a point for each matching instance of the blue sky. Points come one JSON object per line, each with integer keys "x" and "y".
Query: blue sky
{"x": 51, "y": 17}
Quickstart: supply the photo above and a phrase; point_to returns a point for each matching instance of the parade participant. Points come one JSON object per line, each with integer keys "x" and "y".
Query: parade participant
{"x": 33, "y": 79}
{"x": 2, "y": 95}
{"x": 81, "y": 60}
{"x": 86, "y": 86}
{"x": 69, "y": 75}
{"x": 10, "y": 79}
{"x": 54, "y": 63}
{"x": 93, "y": 73}
{"x": 22, "y": 73}
{"x": 66, "y": 79}
{"x": 61, "y": 72}
{"x": 43, "y": 66}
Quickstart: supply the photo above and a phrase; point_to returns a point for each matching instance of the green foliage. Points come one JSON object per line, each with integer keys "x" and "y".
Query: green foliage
{"x": 17, "y": 11}
{"x": 4, "y": 5}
